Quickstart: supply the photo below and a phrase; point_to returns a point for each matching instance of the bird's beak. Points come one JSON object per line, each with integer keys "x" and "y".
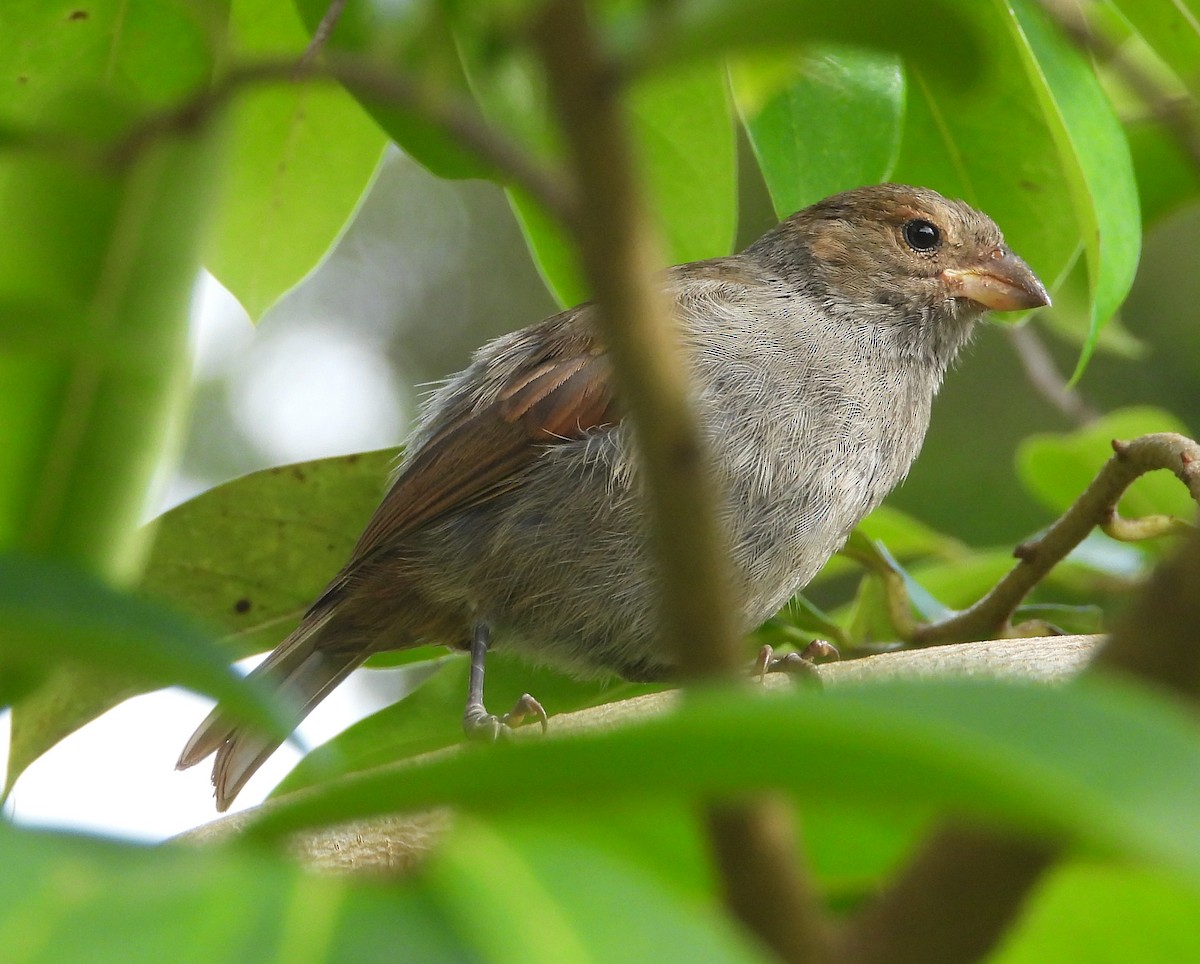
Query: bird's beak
{"x": 1001, "y": 282}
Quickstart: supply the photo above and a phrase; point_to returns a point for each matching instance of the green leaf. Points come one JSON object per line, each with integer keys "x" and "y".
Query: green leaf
{"x": 1173, "y": 31}
{"x": 251, "y": 555}
{"x": 301, "y": 156}
{"x": 823, "y": 122}
{"x": 426, "y": 719}
{"x": 1098, "y": 764}
{"x": 1056, "y": 468}
{"x": 941, "y": 36}
{"x": 1010, "y": 169}
{"x": 416, "y": 38}
{"x": 95, "y": 280}
{"x": 1089, "y": 911}
{"x": 536, "y": 893}
{"x": 246, "y": 558}
{"x": 56, "y": 616}
{"x": 1095, "y": 157}
{"x": 907, "y": 537}
{"x": 60, "y": 50}
{"x": 1166, "y": 174}
{"x": 72, "y": 900}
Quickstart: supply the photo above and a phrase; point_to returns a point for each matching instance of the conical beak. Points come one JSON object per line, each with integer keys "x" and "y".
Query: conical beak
{"x": 1001, "y": 282}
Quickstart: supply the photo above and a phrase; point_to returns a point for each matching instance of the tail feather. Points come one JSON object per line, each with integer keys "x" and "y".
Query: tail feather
{"x": 303, "y": 675}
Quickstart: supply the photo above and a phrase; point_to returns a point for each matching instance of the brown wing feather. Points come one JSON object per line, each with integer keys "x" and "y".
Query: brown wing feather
{"x": 547, "y": 401}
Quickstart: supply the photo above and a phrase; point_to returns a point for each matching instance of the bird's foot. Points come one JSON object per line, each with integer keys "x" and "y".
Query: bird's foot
{"x": 802, "y": 663}
{"x": 479, "y": 724}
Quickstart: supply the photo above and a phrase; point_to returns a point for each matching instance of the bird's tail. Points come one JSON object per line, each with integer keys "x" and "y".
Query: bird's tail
{"x": 302, "y": 673}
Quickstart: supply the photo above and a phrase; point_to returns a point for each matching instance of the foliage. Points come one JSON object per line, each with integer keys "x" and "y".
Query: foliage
{"x": 120, "y": 176}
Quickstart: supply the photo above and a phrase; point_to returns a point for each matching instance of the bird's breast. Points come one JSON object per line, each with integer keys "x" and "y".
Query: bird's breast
{"x": 803, "y": 448}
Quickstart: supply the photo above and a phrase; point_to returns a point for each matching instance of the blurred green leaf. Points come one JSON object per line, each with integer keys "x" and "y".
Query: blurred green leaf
{"x": 537, "y": 894}
{"x": 1063, "y": 618}
{"x": 1166, "y": 174}
{"x": 95, "y": 277}
{"x": 1070, "y": 318}
{"x": 301, "y": 156}
{"x": 907, "y": 537}
{"x": 1173, "y": 32}
{"x": 797, "y": 624}
{"x": 941, "y": 36}
{"x": 853, "y": 849}
{"x": 72, "y": 900}
{"x": 60, "y": 50}
{"x": 989, "y": 144}
{"x": 1055, "y": 469}
{"x": 56, "y": 616}
{"x": 1094, "y": 912}
{"x": 661, "y": 837}
{"x": 821, "y": 122}
{"x": 428, "y": 718}
{"x": 1099, "y": 764}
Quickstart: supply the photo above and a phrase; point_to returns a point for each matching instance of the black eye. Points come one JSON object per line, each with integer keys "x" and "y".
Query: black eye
{"x": 922, "y": 235}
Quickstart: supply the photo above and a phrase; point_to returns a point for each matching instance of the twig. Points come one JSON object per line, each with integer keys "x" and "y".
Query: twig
{"x": 956, "y": 898}
{"x": 322, "y": 34}
{"x": 458, "y": 119}
{"x": 1097, "y": 506}
{"x": 1045, "y": 377}
{"x": 753, "y": 842}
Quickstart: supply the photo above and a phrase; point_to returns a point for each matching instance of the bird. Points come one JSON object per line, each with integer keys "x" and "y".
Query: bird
{"x": 515, "y": 520}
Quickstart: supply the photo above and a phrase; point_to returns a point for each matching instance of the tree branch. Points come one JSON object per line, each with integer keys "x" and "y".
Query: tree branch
{"x": 950, "y": 904}
{"x": 991, "y": 616}
{"x": 458, "y": 119}
{"x": 1045, "y": 377}
{"x": 322, "y": 33}
{"x": 753, "y": 843}
{"x": 1156, "y": 638}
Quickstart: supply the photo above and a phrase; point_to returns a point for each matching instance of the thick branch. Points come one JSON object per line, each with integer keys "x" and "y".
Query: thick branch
{"x": 753, "y": 842}
{"x": 621, "y": 260}
{"x": 951, "y": 904}
{"x": 754, "y": 846}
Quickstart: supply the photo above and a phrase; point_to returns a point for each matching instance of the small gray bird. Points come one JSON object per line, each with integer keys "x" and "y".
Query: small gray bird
{"x": 516, "y": 521}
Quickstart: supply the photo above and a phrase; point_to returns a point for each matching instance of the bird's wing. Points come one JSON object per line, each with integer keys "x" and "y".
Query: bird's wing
{"x": 547, "y": 386}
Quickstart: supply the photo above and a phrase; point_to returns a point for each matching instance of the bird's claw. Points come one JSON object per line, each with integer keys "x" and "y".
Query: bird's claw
{"x": 479, "y": 724}
{"x": 802, "y": 663}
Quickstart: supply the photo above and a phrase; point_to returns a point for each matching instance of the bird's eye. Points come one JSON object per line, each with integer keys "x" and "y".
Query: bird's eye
{"x": 921, "y": 235}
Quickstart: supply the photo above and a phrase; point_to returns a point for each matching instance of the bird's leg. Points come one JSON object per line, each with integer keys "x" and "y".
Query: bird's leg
{"x": 803, "y": 663}
{"x": 478, "y": 723}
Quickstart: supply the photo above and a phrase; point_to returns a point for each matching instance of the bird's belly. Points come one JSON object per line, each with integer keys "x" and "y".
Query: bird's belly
{"x": 561, "y": 566}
